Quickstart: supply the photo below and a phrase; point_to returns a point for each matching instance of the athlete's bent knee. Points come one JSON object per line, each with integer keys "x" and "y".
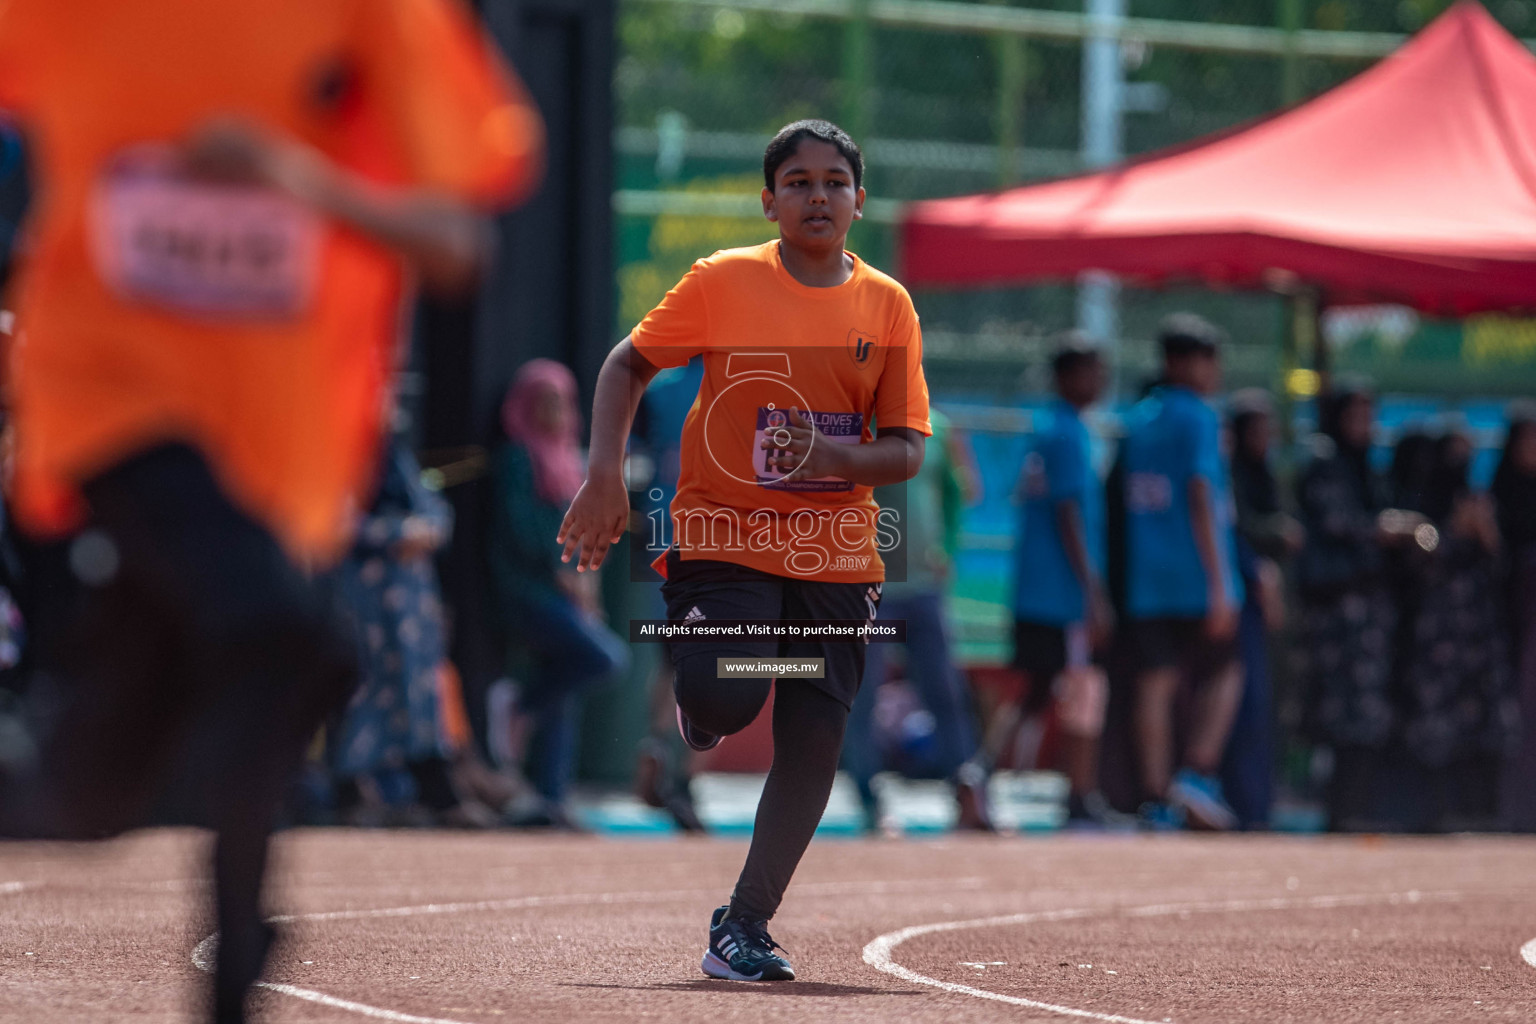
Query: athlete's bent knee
{"x": 715, "y": 705}
{"x": 1081, "y": 698}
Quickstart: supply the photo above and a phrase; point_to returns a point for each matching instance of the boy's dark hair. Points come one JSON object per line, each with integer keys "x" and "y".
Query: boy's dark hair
{"x": 1073, "y": 349}
{"x": 788, "y": 140}
{"x": 1188, "y": 334}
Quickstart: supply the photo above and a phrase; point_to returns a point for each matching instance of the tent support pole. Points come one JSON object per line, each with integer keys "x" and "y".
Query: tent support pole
{"x": 1290, "y": 361}
{"x": 1291, "y": 87}
{"x": 857, "y": 65}
{"x": 1310, "y": 320}
{"x": 1301, "y": 349}
{"x": 1012, "y": 67}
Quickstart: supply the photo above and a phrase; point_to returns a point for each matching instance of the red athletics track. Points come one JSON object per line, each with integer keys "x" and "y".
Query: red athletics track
{"x": 411, "y": 927}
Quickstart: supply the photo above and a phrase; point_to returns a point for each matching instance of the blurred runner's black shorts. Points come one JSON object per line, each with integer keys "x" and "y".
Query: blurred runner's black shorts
{"x": 1180, "y": 643}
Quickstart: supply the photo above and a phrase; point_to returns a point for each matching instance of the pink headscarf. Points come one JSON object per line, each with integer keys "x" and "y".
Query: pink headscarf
{"x": 557, "y": 464}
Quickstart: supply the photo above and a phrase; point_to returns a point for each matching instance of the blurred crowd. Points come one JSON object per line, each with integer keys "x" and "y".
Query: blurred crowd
{"x": 1193, "y": 603}
{"x": 1368, "y": 605}
{"x": 1201, "y": 606}
{"x": 403, "y": 752}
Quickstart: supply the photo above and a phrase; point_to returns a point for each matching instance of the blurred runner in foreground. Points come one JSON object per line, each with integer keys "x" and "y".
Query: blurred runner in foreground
{"x": 208, "y": 311}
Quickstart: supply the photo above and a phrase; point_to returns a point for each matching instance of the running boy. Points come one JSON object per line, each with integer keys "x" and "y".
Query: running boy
{"x": 813, "y": 394}
{"x": 1182, "y": 588}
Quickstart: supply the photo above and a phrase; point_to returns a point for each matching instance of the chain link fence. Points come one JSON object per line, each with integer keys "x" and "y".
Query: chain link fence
{"x": 949, "y": 98}
{"x": 990, "y": 98}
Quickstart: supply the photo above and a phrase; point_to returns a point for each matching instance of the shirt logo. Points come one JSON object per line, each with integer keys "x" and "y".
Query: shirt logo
{"x": 331, "y": 86}
{"x": 1036, "y": 484}
{"x": 861, "y": 346}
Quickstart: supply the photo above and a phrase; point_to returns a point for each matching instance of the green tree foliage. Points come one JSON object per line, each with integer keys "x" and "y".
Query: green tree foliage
{"x": 934, "y": 112}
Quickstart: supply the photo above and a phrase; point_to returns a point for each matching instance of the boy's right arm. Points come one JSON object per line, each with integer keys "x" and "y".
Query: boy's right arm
{"x": 445, "y": 240}
{"x": 599, "y": 514}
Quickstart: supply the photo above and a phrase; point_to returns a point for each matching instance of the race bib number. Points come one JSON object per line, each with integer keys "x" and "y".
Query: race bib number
{"x": 1036, "y": 484}
{"x": 836, "y": 427}
{"x": 206, "y": 248}
{"x": 1148, "y": 493}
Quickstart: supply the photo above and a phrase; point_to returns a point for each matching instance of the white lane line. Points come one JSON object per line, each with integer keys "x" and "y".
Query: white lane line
{"x": 206, "y": 951}
{"x": 1528, "y": 952}
{"x": 376, "y": 1012}
{"x": 879, "y": 953}
{"x": 9, "y": 888}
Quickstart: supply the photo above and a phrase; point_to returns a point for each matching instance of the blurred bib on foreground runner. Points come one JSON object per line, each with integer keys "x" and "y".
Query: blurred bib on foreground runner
{"x": 209, "y": 248}
{"x": 153, "y": 308}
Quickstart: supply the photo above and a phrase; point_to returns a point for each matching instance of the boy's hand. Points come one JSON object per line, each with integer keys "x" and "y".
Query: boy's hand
{"x": 596, "y": 519}
{"x": 419, "y": 537}
{"x": 1101, "y": 618}
{"x": 1220, "y": 617}
{"x": 232, "y": 150}
{"x": 799, "y": 449}
{"x": 225, "y": 149}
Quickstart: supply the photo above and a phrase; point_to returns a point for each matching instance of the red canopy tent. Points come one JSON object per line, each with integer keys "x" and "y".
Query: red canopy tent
{"x": 1414, "y": 183}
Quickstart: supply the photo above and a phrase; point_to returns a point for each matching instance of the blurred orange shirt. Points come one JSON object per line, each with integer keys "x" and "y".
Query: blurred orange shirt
{"x": 850, "y": 356}
{"x": 152, "y": 307}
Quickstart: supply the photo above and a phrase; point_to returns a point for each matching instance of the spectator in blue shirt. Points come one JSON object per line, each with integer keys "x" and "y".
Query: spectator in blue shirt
{"x": 1183, "y": 592}
{"x": 1062, "y": 613}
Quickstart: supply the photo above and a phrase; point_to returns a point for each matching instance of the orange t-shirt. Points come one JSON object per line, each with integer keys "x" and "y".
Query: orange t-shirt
{"x": 851, "y": 355}
{"x": 152, "y": 307}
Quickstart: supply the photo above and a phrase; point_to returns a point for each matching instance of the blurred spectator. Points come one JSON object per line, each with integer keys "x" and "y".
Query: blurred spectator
{"x": 1413, "y": 464}
{"x": 1262, "y": 519}
{"x": 1460, "y": 717}
{"x": 395, "y": 721}
{"x": 1514, "y": 495}
{"x": 932, "y": 501}
{"x": 664, "y": 768}
{"x": 551, "y": 613}
{"x": 17, "y": 605}
{"x": 1267, "y": 537}
{"x": 14, "y": 644}
{"x": 1062, "y": 612}
{"x": 1183, "y": 593}
{"x": 1413, "y": 460}
{"x": 1348, "y": 611}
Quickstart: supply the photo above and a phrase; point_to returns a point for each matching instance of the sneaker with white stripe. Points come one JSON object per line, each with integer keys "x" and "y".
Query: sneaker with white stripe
{"x": 743, "y": 951}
